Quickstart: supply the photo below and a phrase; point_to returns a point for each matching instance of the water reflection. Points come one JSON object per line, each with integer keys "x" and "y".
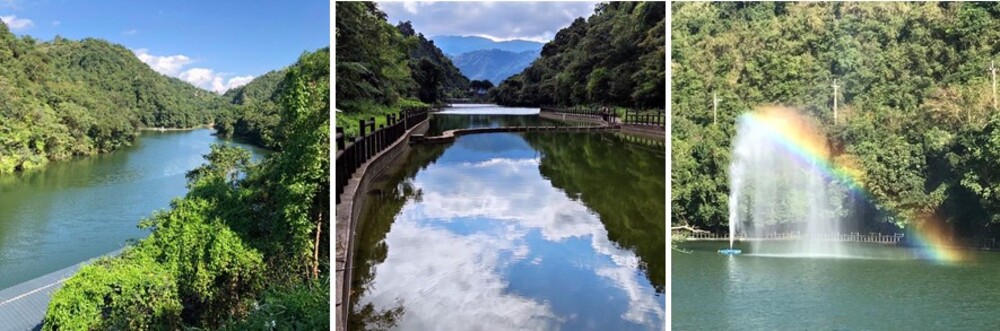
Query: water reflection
{"x": 487, "y": 109}
{"x": 463, "y": 116}
{"x": 473, "y": 234}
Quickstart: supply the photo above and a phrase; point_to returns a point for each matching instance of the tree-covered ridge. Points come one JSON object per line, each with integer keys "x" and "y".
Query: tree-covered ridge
{"x": 453, "y": 83}
{"x": 381, "y": 68}
{"x": 254, "y": 112}
{"x": 915, "y": 116}
{"x": 614, "y": 57}
{"x": 260, "y": 89}
{"x": 247, "y": 248}
{"x": 64, "y": 98}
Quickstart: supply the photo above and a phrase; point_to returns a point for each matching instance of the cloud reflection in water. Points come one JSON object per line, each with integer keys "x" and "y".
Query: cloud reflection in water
{"x": 487, "y": 213}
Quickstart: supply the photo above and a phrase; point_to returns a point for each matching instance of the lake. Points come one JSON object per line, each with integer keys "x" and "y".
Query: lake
{"x": 525, "y": 231}
{"x": 890, "y": 291}
{"x": 71, "y": 211}
{"x": 467, "y": 116}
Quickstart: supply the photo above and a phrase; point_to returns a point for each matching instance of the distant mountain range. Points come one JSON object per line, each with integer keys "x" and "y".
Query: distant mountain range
{"x": 493, "y": 64}
{"x": 480, "y": 58}
{"x": 458, "y": 45}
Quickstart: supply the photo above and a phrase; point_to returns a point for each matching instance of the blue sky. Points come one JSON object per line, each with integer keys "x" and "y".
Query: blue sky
{"x": 497, "y": 20}
{"x": 215, "y": 45}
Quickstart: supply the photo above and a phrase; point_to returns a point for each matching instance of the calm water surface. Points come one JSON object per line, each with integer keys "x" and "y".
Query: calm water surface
{"x": 75, "y": 210}
{"x": 506, "y": 231}
{"x": 715, "y": 292}
{"x": 464, "y": 116}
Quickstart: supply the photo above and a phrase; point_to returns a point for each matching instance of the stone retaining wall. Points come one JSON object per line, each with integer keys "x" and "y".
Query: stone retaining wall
{"x": 349, "y": 210}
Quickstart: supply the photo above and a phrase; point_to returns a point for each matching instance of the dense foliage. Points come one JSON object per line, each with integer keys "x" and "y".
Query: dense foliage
{"x": 371, "y": 57}
{"x": 64, "y": 98}
{"x": 614, "y": 57}
{"x": 382, "y": 68}
{"x": 253, "y": 112}
{"x": 452, "y": 83}
{"x": 248, "y": 243}
{"x": 916, "y": 116}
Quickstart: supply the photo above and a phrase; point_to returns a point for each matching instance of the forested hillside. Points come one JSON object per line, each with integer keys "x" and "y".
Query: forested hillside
{"x": 615, "y": 57}
{"x": 917, "y": 118}
{"x": 381, "y": 69}
{"x": 64, "y": 98}
{"x": 246, "y": 249}
{"x": 253, "y": 112}
{"x": 453, "y": 83}
{"x": 493, "y": 64}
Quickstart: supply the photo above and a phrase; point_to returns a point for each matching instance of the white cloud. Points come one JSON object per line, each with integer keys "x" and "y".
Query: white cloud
{"x": 410, "y": 6}
{"x": 130, "y": 32}
{"x": 466, "y": 289}
{"x": 168, "y": 65}
{"x": 499, "y": 161}
{"x": 239, "y": 81}
{"x": 56, "y": 23}
{"x": 543, "y": 38}
{"x": 500, "y": 21}
{"x": 17, "y": 23}
{"x": 173, "y": 65}
{"x": 197, "y": 76}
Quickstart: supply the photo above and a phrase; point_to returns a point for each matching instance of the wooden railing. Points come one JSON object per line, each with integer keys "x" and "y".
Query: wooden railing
{"x": 634, "y": 117}
{"x": 353, "y": 152}
{"x": 629, "y": 117}
{"x": 581, "y": 111}
{"x": 854, "y": 237}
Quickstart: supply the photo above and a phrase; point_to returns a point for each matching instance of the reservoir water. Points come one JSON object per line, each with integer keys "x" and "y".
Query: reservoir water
{"x": 71, "y": 211}
{"x": 891, "y": 291}
{"x": 515, "y": 231}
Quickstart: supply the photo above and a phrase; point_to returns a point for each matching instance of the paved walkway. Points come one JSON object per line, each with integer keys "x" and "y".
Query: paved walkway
{"x": 23, "y": 306}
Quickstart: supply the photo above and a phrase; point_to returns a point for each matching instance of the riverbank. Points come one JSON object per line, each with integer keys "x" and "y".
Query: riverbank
{"x": 648, "y": 131}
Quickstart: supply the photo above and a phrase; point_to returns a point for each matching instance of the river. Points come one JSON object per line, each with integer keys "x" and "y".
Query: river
{"x": 518, "y": 231}
{"x": 71, "y": 211}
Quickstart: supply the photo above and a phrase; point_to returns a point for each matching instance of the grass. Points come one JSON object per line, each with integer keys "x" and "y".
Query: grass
{"x": 352, "y": 112}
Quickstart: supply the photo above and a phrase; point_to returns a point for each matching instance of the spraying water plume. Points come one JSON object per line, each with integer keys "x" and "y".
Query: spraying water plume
{"x": 777, "y": 184}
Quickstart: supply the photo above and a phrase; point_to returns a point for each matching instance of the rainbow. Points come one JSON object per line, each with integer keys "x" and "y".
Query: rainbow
{"x": 798, "y": 136}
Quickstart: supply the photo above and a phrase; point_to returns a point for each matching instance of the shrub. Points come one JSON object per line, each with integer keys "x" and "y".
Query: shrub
{"x": 126, "y": 293}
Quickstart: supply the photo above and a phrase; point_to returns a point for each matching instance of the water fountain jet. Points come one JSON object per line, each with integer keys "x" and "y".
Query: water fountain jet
{"x": 777, "y": 185}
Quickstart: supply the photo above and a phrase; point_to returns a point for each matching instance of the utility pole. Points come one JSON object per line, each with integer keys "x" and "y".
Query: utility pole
{"x": 715, "y": 108}
{"x": 993, "y": 72}
{"x": 835, "y": 87}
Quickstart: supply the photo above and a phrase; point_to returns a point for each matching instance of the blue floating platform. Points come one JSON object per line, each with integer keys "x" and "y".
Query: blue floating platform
{"x": 730, "y": 251}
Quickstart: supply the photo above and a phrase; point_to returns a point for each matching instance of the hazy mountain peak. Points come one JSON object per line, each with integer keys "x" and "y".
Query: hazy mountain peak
{"x": 457, "y": 45}
{"x": 494, "y": 64}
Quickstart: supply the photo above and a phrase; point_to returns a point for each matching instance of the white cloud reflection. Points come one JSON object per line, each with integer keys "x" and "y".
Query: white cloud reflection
{"x": 452, "y": 281}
